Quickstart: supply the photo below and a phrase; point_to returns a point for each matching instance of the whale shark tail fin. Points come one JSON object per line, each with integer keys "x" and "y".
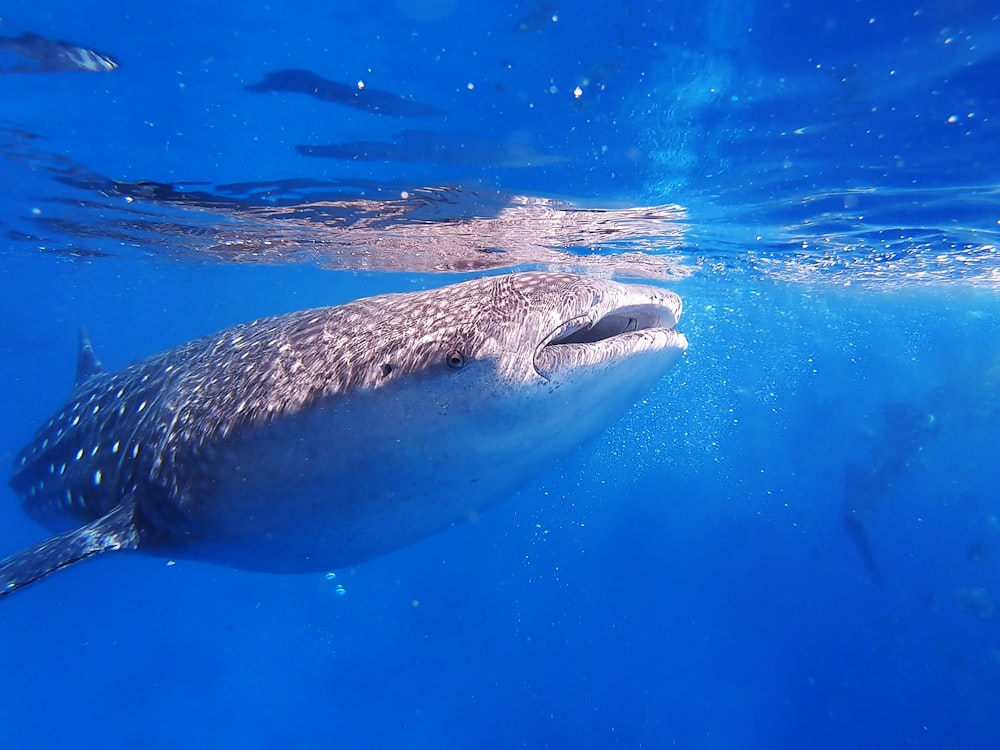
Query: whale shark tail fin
{"x": 113, "y": 531}
{"x": 855, "y": 528}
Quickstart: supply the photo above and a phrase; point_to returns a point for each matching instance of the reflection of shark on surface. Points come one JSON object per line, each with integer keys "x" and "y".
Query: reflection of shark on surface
{"x": 440, "y": 148}
{"x": 350, "y": 95}
{"x": 54, "y": 56}
{"x": 323, "y": 438}
{"x": 354, "y": 224}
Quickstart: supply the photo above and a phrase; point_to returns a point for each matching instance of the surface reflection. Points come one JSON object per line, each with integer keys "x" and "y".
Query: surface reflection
{"x": 341, "y": 225}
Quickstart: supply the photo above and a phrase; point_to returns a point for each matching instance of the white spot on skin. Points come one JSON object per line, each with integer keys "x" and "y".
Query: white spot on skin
{"x": 141, "y": 407}
{"x": 135, "y": 450}
{"x": 76, "y": 421}
{"x": 62, "y": 469}
{"x": 97, "y": 477}
{"x": 79, "y": 454}
{"x": 93, "y": 451}
{"x": 116, "y": 446}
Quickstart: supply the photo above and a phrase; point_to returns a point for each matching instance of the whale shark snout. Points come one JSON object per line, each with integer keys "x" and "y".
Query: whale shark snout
{"x": 322, "y": 438}
{"x": 622, "y": 322}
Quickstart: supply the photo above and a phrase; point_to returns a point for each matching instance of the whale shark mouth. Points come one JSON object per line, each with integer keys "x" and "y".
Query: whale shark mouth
{"x": 601, "y": 337}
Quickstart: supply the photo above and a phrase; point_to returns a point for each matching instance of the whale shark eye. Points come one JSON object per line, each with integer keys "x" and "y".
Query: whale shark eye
{"x": 455, "y": 359}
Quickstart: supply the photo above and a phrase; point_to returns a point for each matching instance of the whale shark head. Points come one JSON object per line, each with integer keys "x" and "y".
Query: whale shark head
{"x": 519, "y": 331}
{"x": 322, "y": 438}
{"x": 551, "y": 352}
{"x": 577, "y": 328}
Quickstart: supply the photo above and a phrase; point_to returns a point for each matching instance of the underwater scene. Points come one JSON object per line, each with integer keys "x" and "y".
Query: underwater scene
{"x": 527, "y": 374}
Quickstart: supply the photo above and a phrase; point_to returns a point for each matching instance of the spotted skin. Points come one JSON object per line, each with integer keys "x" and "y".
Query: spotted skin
{"x": 91, "y": 455}
{"x": 325, "y": 437}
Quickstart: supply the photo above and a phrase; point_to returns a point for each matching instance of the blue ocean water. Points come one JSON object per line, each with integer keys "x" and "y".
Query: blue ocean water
{"x": 793, "y": 541}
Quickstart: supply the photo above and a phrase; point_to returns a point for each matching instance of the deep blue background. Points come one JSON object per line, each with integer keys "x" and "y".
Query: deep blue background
{"x": 688, "y": 582}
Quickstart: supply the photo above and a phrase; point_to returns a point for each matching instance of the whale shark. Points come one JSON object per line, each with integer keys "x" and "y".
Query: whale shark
{"x": 322, "y": 438}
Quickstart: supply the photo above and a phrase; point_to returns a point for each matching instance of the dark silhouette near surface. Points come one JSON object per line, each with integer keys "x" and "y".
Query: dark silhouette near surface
{"x": 349, "y": 95}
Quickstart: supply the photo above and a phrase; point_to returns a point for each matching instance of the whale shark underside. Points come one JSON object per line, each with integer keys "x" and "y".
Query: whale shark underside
{"x": 325, "y": 437}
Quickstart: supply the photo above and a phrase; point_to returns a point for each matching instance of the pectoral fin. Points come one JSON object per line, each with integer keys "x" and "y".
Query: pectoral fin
{"x": 116, "y": 530}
